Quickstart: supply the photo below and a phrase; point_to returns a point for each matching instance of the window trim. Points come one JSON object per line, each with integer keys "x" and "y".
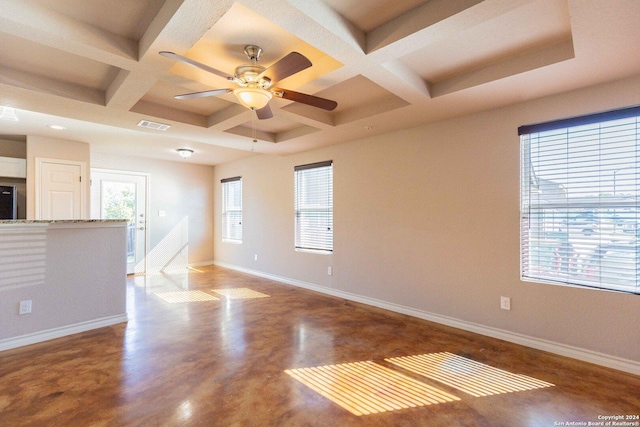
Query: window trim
{"x": 314, "y": 165}
{"x": 588, "y": 119}
{"x": 534, "y": 271}
{"x": 297, "y": 244}
{"x": 224, "y": 209}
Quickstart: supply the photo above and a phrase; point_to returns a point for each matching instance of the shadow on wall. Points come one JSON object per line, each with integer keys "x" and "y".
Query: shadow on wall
{"x": 23, "y": 257}
{"x": 170, "y": 254}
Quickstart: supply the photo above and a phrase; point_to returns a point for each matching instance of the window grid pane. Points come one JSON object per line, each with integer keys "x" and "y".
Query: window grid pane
{"x": 579, "y": 205}
{"x": 232, "y": 210}
{"x": 314, "y": 208}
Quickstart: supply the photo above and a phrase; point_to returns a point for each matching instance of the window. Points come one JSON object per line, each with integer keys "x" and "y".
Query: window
{"x": 314, "y": 206}
{"x": 579, "y": 201}
{"x": 232, "y": 210}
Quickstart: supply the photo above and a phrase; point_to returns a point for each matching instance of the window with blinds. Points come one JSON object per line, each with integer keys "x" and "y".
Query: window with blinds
{"x": 579, "y": 201}
{"x": 232, "y": 209}
{"x": 314, "y": 207}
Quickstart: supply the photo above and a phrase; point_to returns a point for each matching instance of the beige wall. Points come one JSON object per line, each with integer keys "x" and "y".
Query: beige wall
{"x": 184, "y": 191}
{"x": 49, "y": 148}
{"x": 13, "y": 148}
{"x": 74, "y": 275}
{"x": 428, "y": 219}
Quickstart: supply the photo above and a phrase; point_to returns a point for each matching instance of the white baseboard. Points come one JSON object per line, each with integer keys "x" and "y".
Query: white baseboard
{"x": 62, "y": 331}
{"x": 585, "y": 355}
{"x": 201, "y": 264}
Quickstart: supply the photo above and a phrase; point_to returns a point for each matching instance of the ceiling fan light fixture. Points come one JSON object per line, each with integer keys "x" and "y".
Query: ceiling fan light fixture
{"x": 252, "y": 97}
{"x": 185, "y": 153}
{"x": 254, "y": 81}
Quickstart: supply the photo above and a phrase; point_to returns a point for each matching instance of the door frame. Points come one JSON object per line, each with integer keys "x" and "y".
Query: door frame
{"x": 146, "y": 205}
{"x": 38, "y": 185}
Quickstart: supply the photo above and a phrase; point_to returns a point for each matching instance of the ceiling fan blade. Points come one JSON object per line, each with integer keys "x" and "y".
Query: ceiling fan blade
{"x": 264, "y": 113}
{"x": 314, "y": 101}
{"x": 285, "y": 67}
{"x": 204, "y": 94}
{"x": 196, "y": 64}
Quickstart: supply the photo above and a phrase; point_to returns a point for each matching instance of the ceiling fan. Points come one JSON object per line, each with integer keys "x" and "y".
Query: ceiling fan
{"x": 254, "y": 81}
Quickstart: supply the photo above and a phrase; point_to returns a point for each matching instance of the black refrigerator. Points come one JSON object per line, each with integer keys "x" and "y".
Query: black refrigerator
{"x": 8, "y": 208}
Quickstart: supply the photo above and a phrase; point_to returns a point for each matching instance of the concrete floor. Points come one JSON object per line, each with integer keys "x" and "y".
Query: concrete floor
{"x": 234, "y": 359}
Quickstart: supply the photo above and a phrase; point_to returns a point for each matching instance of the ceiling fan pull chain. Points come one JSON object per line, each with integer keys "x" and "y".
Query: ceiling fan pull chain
{"x": 254, "y": 116}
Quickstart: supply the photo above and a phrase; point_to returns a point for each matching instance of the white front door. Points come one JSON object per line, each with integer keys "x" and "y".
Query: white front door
{"x": 123, "y": 195}
{"x": 59, "y": 192}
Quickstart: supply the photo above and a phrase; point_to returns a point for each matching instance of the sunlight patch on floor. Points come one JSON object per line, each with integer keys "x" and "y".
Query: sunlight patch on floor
{"x": 469, "y": 376}
{"x": 364, "y": 388}
{"x": 186, "y": 296}
{"x": 240, "y": 293}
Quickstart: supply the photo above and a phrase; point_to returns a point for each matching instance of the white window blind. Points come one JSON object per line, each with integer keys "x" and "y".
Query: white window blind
{"x": 232, "y": 209}
{"x": 314, "y": 206}
{"x": 579, "y": 201}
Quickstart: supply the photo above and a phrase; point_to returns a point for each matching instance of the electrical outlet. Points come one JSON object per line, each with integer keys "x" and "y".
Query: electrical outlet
{"x": 329, "y": 271}
{"x": 505, "y": 303}
{"x": 25, "y": 307}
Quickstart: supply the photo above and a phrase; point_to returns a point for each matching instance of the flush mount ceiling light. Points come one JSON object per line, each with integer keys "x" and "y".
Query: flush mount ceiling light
{"x": 185, "y": 153}
{"x": 56, "y": 127}
{"x": 8, "y": 113}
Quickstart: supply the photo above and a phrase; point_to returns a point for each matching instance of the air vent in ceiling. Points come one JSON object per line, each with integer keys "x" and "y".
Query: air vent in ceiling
{"x": 153, "y": 125}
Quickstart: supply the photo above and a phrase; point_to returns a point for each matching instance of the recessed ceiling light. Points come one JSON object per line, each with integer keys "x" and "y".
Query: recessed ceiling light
{"x": 56, "y": 127}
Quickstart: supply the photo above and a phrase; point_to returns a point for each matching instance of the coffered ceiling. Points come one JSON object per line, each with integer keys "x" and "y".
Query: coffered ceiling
{"x": 94, "y": 67}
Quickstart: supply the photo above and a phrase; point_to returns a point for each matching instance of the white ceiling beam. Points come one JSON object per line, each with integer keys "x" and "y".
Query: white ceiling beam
{"x": 408, "y": 85}
{"x": 435, "y": 21}
{"x": 310, "y": 116}
{"x": 370, "y": 110}
{"x": 297, "y": 132}
{"x": 151, "y": 110}
{"x": 227, "y": 118}
{"x": 180, "y": 24}
{"x": 127, "y": 89}
{"x": 153, "y": 34}
{"x": 332, "y": 22}
{"x": 528, "y": 61}
{"x": 49, "y": 28}
{"x": 426, "y": 18}
{"x": 54, "y": 88}
{"x": 249, "y": 134}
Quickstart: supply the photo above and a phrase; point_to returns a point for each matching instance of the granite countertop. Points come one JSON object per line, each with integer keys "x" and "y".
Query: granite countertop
{"x": 13, "y": 225}
{"x": 58, "y": 221}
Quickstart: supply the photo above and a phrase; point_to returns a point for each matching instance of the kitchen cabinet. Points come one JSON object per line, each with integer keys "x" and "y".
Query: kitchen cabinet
{"x": 11, "y": 167}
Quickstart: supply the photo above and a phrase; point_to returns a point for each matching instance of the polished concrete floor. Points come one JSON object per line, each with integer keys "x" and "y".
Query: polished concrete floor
{"x": 239, "y": 358}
